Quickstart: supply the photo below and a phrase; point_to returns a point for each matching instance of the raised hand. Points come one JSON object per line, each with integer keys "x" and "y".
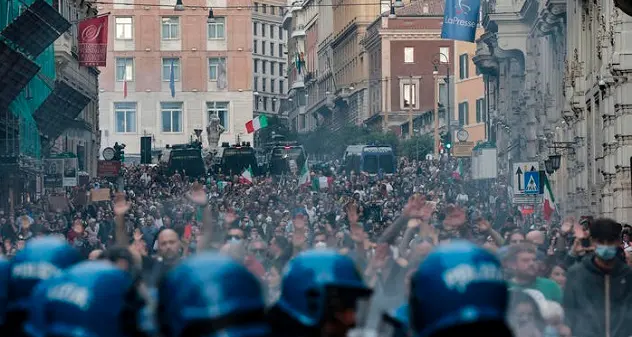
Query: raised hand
{"x": 120, "y": 206}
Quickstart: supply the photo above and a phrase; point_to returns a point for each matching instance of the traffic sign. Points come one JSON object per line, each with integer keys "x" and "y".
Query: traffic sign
{"x": 519, "y": 170}
{"x": 462, "y": 149}
{"x": 532, "y": 182}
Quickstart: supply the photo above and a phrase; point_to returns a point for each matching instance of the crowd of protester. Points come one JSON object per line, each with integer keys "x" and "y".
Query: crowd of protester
{"x": 560, "y": 271}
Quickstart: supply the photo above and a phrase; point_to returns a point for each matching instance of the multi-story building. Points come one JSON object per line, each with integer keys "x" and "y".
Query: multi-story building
{"x": 82, "y": 136}
{"x": 556, "y": 80}
{"x": 269, "y": 56}
{"x": 169, "y": 72}
{"x": 301, "y": 22}
{"x": 413, "y": 72}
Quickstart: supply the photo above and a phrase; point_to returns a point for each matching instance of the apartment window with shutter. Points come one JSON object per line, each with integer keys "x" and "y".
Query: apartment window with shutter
{"x": 464, "y": 114}
{"x": 464, "y": 63}
{"x": 481, "y": 110}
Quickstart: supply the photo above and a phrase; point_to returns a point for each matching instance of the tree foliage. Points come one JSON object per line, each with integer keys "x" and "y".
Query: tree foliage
{"x": 324, "y": 142}
{"x": 417, "y": 147}
{"x": 275, "y": 126}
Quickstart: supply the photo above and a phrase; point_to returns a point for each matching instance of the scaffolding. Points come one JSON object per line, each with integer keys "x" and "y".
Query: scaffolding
{"x": 37, "y": 90}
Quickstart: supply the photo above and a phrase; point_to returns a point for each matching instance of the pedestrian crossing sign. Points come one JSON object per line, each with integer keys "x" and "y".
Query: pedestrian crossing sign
{"x": 532, "y": 182}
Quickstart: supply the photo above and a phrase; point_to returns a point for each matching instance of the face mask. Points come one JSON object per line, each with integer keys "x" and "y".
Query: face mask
{"x": 606, "y": 253}
{"x": 235, "y": 240}
{"x": 320, "y": 245}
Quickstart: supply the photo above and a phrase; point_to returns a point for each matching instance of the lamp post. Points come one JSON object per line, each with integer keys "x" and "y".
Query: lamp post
{"x": 436, "y": 62}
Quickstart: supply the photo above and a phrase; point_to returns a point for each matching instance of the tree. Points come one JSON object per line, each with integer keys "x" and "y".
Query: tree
{"x": 275, "y": 126}
{"x": 417, "y": 147}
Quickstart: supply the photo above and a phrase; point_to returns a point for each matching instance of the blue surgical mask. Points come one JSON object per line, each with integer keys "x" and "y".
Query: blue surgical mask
{"x": 606, "y": 253}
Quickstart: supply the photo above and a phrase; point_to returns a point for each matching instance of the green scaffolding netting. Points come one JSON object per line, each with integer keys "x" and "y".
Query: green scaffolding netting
{"x": 24, "y": 106}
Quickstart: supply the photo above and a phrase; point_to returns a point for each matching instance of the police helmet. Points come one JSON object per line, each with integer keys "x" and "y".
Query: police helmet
{"x": 211, "y": 294}
{"x": 41, "y": 258}
{"x": 314, "y": 276}
{"x": 457, "y": 284}
{"x": 91, "y": 299}
{"x": 395, "y": 322}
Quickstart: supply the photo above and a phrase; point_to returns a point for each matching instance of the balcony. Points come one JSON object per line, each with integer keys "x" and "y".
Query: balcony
{"x": 298, "y": 83}
{"x": 298, "y": 31}
{"x": 287, "y": 20}
{"x": 64, "y": 49}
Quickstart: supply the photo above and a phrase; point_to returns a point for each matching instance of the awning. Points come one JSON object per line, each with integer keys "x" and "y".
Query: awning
{"x": 60, "y": 109}
{"x": 16, "y": 70}
{"x": 36, "y": 28}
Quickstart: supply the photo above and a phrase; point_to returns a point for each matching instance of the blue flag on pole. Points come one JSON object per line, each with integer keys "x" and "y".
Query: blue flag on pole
{"x": 460, "y": 20}
{"x": 172, "y": 80}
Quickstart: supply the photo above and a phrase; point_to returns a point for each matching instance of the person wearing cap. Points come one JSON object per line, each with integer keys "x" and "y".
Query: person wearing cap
{"x": 459, "y": 290}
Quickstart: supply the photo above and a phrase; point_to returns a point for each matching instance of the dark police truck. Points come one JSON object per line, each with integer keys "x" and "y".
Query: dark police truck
{"x": 235, "y": 159}
{"x": 186, "y": 158}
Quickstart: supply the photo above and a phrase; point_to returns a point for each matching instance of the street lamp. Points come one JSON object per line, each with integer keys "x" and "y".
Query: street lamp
{"x": 548, "y": 166}
{"x": 436, "y": 62}
{"x": 555, "y": 160}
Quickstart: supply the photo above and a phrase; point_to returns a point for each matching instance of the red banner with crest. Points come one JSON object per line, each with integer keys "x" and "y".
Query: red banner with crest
{"x": 93, "y": 41}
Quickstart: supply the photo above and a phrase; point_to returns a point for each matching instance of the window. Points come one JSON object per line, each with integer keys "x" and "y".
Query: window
{"x": 464, "y": 115}
{"x": 272, "y": 49}
{"x": 265, "y": 104}
{"x": 263, "y": 29}
{"x": 263, "y": 84}
{"x": 215, "y": 65}
{"x": 256, "y": 83}
{"x": 409, "y": 55}
{"x": 219, "y": 110}
{"x": 272, "y": 68}
{"x": 272, "y": 85}
{"x": 263, "y": 47}
{"x": 280, "y": 49}
{"x": 125, "y": 115}
{"x": 217, "y": 29}
{"x": 254, "y": 29}
{"x": 444, "y": 54}
{"x": 124, "y": 28}
{"x": 264, "y": 65}
{"x": 280, "y": 32}
{"x": 256, "y": 66}
{"x": 273, "y": 108}
{"x": 281, "y": 85}
{"x": 264, "y": 8}
{"x": 171, "y": 28}
{"x": 171, "y": 116}
{"x": 254, "y": 46}
{"x": 281, "y": 70}
{"x": 409, "y": 95}
{"x": 464, "y": 71}
{"x": 124, "y": 69}
{"x": 481, "y": 110}
{"x": 167, "y": 62}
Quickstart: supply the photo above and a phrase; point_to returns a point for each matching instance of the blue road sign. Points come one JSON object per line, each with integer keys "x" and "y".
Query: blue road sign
{"x": 532, "y": 182}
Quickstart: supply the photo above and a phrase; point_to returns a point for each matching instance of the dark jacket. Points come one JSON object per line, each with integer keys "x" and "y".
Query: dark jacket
{"x": 592, "y": 298}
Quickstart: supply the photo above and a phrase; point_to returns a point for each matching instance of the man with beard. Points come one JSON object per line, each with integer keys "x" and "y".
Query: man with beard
{"x": 168, "y": 255}
{"x": 521, "y": 260}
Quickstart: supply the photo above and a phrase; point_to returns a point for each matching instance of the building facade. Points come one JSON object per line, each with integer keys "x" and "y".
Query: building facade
{"x": 301, "y": 22}
{"x": 82, "y": 137}
{"x": 170, "y": 72}
{"x": 269, "y": 48}
{"x": 556, "y": 78}
{"x": 403, "y": 52}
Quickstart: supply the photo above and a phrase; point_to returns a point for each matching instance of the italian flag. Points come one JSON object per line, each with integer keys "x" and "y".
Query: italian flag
{"x": 303, "y": 179}
{"x": 246, "y": 176}
{"x": 259, "y": 122}
{"x": 548, "y": 207}
{"x": 322, "y": 183}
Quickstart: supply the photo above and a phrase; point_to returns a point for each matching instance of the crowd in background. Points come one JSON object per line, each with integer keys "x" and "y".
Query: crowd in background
{"x": 264, "y": 223}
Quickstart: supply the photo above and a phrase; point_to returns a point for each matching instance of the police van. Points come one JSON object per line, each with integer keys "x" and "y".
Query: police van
{"x": 372, "y": 159}
{"x": 231, "y": 160}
